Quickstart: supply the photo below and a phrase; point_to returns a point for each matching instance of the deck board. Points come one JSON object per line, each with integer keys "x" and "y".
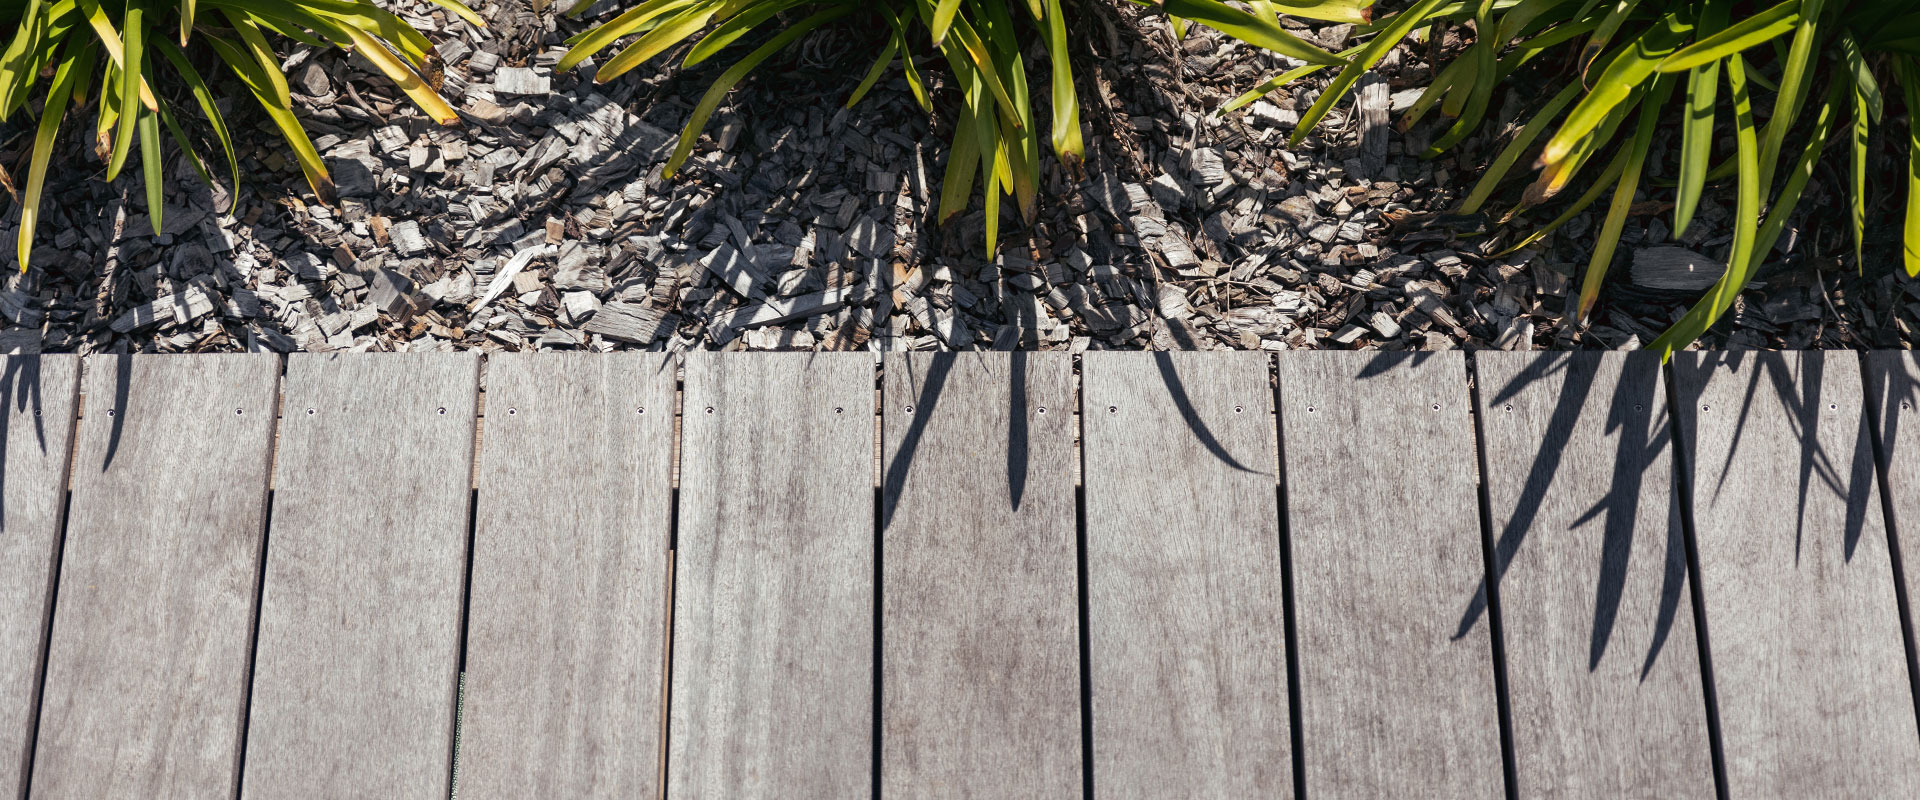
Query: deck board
{"x": 1384, "y": 528}
{"x": 40, "y": 395}
{"x": 358, "y": 655}
{"x": 1187, "y": 637}
{"x": 147, "y": 670}
{"x": 1603, "y": 666}
{"x": 981, "y": 674}
{"x": 1796, "y": 582}
{"x": 567, "y": 616}
{"x": 772, "y": 691}
{"x": 1893, "y": 394}
{"x": 825, "y": 597}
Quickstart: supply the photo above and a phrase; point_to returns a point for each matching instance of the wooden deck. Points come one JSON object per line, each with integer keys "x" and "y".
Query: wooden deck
{"x": 1005, "y": 575}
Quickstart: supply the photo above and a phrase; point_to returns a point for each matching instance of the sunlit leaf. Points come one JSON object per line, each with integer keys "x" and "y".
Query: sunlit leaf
{"x": 724, "y": 84}
{"x": 71, "y": 71}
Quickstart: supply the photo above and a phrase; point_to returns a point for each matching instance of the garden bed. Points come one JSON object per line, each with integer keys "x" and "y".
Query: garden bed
{"x": 542, "y": 221}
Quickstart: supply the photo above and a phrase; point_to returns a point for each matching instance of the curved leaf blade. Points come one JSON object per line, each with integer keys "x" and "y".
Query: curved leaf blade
{"x": 65, "y": 76}
{"x": 724, "y": 84}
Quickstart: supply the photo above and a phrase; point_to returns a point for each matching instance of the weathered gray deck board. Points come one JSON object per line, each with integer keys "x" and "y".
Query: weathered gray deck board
{"x": 1802, "y": 623}
{"x": 1384, "y": 526}
{"x": 941, "y": 655}
{"x": 1893, "y": 392}
{"x": 567, "y": 611}
{"x": 772, "y": 691}
{"x": 1187, "y": 632}
{"x": 38, "y": 396}
{"x": 354, "y": 683}
{"x": 147, "y": 671}
{"x": 1603, "y": 668}
{"x": 980, "y": 685}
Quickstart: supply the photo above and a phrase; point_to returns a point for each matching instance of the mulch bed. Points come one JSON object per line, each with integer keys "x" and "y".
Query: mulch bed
{"x": 543, "y": 223}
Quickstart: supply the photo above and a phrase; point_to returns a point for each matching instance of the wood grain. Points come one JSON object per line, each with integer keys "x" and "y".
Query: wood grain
{"x": 1378, "y": 459}
{"x": 358, "y": 659}
{"x": 1893, "y": 395}
{"x": 1603, "y": 667}
{"x": 1187, "y": 632}
{"x": 1796, "y": 581}
{"x": 980, "y": 683}
{"x": 147, "y": 670}
{"x": 773, "y": 602}
{"x": 567, "y": 616}
{"x": 38, "y": 398}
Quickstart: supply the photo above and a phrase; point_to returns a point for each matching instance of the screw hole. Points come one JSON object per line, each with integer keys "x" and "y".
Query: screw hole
{"x": 1509, "y": 408}
{"x": 239, "y": 411}
{"x": 640, "y": 410}
{"x": 1238, "y": 409}
{"x": 1705, "y": 407}
{"x": 709, "y": 409}
{"x": 442, "y": 411}
{"x": 310, "y": 412}
{"x": 1310, "y": 409}
{"x": 512, "y": 411}
{"x": 1833, "y": 406}
{"x": 1906, "y": 406}
{"x": 1637, "y": 408}
{"x": 1436, "y": 406}
{"x": 1113, "y": 409}
{"x": 110, "y": 412}
{"x": 839, "y": 409}
{"x": 909, "y": 409}
{"x": 1043, "y": 409}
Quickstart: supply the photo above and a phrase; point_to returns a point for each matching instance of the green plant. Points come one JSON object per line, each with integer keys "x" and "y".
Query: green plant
{"x": 996, "y": 138}
{"x": 81, "y": 44}
{"x": 1817, "y": 60}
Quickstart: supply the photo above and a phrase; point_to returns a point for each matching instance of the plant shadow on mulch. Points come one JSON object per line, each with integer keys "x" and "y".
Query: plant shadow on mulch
{"x": 1329, "y": 244}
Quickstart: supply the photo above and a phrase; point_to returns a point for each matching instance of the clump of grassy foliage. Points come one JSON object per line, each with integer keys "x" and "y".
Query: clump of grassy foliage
{"x": 105, "y": 51}
{"x": 996, "y": 144}
{"x": 1694, "y": 65}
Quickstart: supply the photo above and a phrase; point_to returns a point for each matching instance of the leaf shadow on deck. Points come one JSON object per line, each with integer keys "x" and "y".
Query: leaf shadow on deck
{"x": 1387, "y": 362}
{"x": 1893, "y": 397}
{"x": 1018, "y": 456}
{"x": 895, "y": 472}
{"x": 1640, "y": 439}
{"x": 1801, "y": 393}
{"x": 1177, "y": 390}
{"x": 20, "y": 384}
{"x": 122, "y": 387}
